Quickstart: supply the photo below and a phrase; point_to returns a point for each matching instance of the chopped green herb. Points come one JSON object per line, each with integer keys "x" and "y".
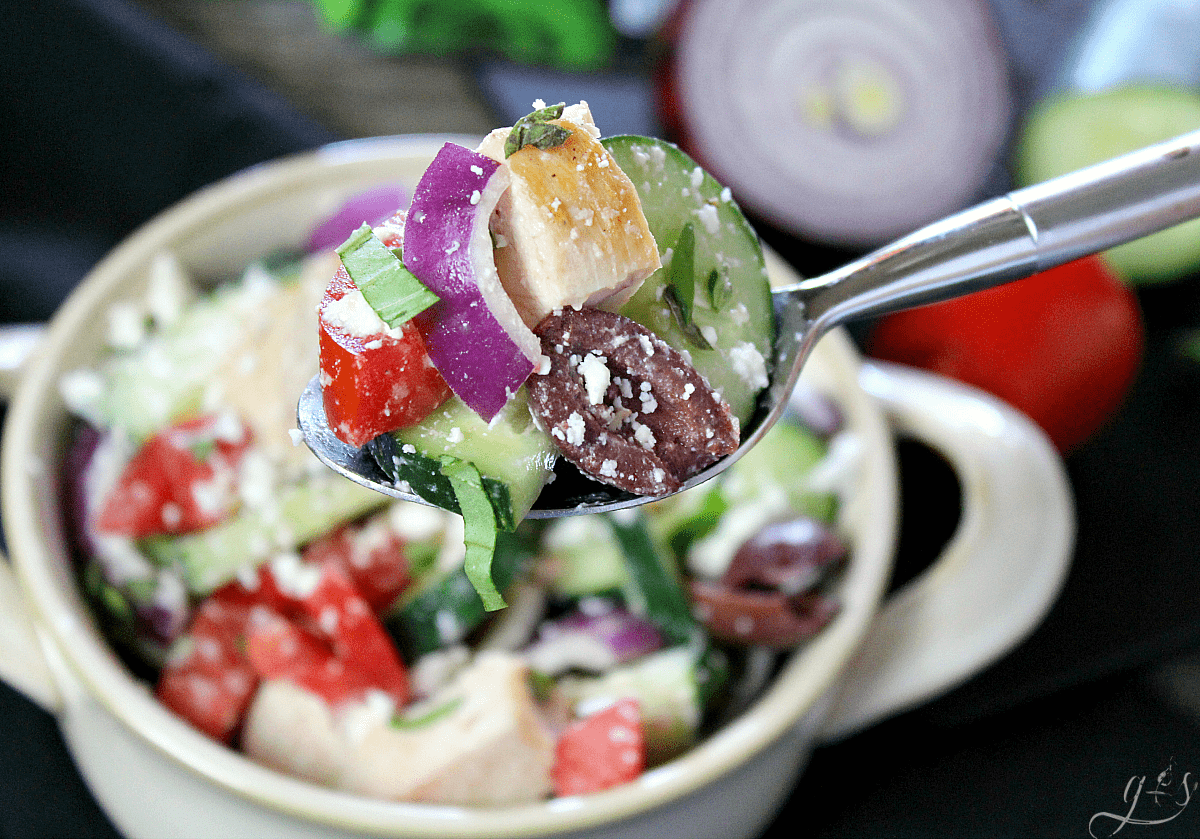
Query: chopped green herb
{"x": 479, "y": 521}
{"x": 720, "y": 288}
{"x": 681, "y": 273}
{"x": 535, "y": 129}
{"x": 392, "y": 290}
{"x": 431, "y": 716}
{"x": 679, "y": 290}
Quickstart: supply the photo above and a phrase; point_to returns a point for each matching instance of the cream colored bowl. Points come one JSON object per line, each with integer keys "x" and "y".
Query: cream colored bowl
{"x": 157, "y": 777}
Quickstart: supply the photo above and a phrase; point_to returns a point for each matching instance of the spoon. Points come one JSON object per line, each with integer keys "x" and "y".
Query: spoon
{"x": 1003, "y": 239}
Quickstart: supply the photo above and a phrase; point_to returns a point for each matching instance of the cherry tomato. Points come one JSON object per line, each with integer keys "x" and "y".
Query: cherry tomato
{"x": 1063, "y": 346}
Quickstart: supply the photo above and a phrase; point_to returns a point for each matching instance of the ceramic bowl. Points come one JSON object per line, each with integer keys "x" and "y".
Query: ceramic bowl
{"x": 156, "y": 777}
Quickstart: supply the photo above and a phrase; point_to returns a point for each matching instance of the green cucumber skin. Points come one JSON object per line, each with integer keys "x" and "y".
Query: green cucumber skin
{"x": 1071, "y": 130}
{"x": 425, "y": 479}
{"x": 419, "y": 621}
{"x": 661, "y": 172}
{"x": 212, "y": 557}
{"x": 511, "y": 450}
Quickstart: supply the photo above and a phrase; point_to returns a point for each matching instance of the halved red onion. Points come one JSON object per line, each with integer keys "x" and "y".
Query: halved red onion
{"x": 849, "y": 123}
{"x": 373, "y": 206}
{"x": 475, "y": 337}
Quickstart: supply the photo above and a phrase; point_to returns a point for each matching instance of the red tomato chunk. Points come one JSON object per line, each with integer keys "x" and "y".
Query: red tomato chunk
{"x": 313, "y": 629}
{"x": 601, "y": 751}
{"x": 184, "y": 478}
{"x": 373, "y": 383}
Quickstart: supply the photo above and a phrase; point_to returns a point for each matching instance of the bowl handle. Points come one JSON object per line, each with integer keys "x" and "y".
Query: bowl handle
{"x": 996, "y": 578}
{"x": 23, "y": 663}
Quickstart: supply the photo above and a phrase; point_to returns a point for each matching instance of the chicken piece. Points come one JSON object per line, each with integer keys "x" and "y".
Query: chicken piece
{"x": 485, "y": 742}
{"x": 570, "y": 231}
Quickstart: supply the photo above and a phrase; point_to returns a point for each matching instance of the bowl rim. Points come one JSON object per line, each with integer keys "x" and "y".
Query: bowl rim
{"x": 37, "y": 546}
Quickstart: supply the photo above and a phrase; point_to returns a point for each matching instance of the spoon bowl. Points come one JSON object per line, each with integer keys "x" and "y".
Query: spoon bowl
{"x": 1004, "y": 239}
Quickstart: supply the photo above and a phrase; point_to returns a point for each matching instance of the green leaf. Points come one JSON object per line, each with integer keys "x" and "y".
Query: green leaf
{"x": 430, "y": 716}
{"x": 679, "y": 290}
{"x": 720, "y": 288}
{"x": 392, "y": 290}
{"x": 535, "y": 129}
{"x": 479, "y": 522}
{"x": 681, "y": 273}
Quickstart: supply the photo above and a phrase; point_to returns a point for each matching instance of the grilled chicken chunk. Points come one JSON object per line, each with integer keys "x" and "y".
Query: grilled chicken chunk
{"x": 570, "y": 231}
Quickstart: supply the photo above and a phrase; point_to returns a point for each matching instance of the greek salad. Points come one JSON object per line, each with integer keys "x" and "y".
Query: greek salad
{"x": 343, "y": 637}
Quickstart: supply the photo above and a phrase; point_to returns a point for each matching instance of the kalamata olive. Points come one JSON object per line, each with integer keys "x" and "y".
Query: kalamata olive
{"x": 787, "y": 556}
{"x": 758, "y": 617}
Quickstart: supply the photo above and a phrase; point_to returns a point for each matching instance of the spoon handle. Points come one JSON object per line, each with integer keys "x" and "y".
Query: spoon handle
{"x": 1026, "y": 231}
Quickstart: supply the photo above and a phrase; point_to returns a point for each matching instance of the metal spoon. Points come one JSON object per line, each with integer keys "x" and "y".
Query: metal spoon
{"x": 1000, "y": 240}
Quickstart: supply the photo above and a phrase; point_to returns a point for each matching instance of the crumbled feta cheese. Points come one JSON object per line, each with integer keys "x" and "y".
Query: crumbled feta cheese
{"x": 748, "y": 363}
{"x": 596, "y": 377}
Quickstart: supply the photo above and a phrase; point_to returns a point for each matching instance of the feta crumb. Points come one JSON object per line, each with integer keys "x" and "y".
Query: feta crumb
{"x": 709, "y": 218}
{"x": 748, "y": 363}
{"x": 455, "y": 435}
{"x": 596, "y": 377}
{"x": 576, "y": 429}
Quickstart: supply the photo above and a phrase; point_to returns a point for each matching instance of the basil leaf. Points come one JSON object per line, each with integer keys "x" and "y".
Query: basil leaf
{"x": 479, "y": 521}
{"x": 536, "y": 130}
{"x": 392, "y": 290}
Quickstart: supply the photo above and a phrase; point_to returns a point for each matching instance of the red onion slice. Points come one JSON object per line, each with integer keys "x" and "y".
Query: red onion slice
{"x": 374, "y": 206}
{"x": 475, "y": 336}
{"x": 845, "y": 122}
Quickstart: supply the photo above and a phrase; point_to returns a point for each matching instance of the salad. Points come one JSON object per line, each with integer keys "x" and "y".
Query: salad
{"x": 341, "y": 636}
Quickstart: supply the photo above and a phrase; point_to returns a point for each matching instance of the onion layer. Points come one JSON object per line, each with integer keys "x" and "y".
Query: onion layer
{"x": 475, "y": 336}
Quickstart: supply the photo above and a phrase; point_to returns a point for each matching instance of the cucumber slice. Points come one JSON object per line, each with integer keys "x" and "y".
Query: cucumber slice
{"x": 585, "y": 556}
{"x": 1072, "y": 130}
{"x": 734, "y": 314}
{"x": 209, "y": 558}
{"x": 445, "y": 606}
{"x": 513, "y": 455}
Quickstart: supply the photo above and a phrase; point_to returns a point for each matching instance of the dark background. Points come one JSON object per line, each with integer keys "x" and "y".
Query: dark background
{"x": 114, "y": 110}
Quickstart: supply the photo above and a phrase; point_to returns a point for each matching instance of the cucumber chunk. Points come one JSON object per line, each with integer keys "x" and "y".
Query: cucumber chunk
{"x": 513, "y": 455}
{"x": 445, "y": 607}
{"x": 731, "y": 307}
{"x": 168, "y": 376}
{"x": 1071, "y": 130}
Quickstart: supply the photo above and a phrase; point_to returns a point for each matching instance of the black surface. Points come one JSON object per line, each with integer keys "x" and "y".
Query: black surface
{"x": 109, "y": 117}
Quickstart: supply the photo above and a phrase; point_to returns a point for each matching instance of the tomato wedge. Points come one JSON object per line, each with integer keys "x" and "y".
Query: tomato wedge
{"x": 600, "y": 751}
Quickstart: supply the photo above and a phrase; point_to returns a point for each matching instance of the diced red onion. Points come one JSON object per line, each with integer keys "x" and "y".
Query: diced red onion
{"x": 593, "y": 639}
{"x": 373, "y": 206}
{"x": 475, "y": 337}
